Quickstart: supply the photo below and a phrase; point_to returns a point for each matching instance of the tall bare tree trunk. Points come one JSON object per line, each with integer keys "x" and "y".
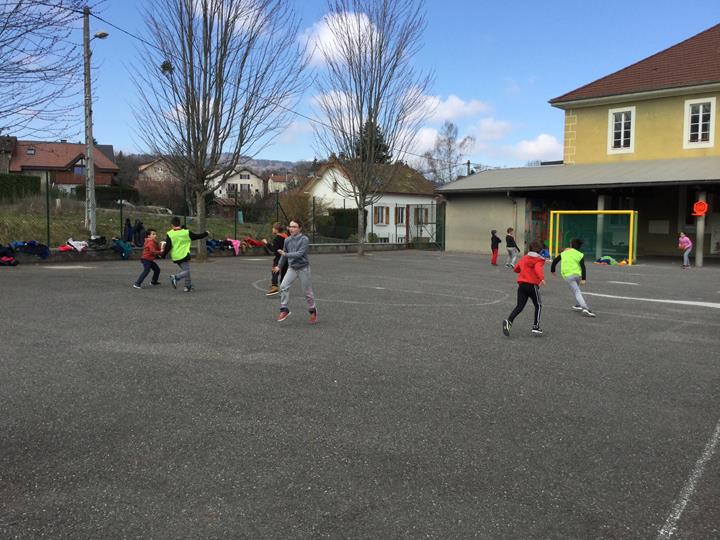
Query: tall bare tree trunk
{"x": 361, "y": 231}
{"x": 201, "y": 226}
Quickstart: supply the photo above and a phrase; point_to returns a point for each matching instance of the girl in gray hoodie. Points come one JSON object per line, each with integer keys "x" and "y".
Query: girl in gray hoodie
{"x": 294, "y": 252}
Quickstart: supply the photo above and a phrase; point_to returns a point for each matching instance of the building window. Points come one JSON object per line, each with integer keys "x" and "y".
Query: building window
{"x": 231, "y": 188}
{"x": 699, "y": 131}
{"x": 400, "y": 215}
{"x": 383, "y": 240}
{"x": 381, "y": 215}
{"x": 244, "y": 176}
{"x": 621, "y": 130}
{"x": 422, "y": 216}
{"x": 244, "y": 187}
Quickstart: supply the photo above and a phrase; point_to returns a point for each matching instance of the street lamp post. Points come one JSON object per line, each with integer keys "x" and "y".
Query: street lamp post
{"x": 90, "y": 204}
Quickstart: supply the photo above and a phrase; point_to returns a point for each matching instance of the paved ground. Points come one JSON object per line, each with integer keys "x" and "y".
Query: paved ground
{"x": 405, "y": 413}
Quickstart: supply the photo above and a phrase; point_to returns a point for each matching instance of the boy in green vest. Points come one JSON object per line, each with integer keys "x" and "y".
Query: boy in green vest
{"x": 572, "y": 263}
{"x": 177, "y": 244}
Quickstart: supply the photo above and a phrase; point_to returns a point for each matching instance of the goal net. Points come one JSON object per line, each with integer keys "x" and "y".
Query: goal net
{"x": 604, "y": 233}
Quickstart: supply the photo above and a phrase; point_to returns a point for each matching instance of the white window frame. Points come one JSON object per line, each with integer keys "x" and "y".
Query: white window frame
{"x": 611, "y": 130}
{"x": 687, "y": 145}
{"x": 380, "y": 214}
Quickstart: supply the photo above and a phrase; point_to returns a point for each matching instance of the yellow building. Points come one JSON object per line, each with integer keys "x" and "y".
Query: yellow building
{"x": 643, "y": 138}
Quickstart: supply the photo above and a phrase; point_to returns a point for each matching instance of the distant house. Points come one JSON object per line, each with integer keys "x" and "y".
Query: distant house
{"x": 244, "y": 181}
{"x": 61, "y": 164}
{"x": 405, "y": 209}
{"x": 280, "y": 182}
{"x": 157, "y": 170}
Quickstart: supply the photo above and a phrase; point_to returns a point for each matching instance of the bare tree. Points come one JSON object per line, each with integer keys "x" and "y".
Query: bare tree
{"x": 370, "y": 91}
{"x": 215, "y": 85}
{"x": 445, "y": 159}
{"x": 40, "y": 66}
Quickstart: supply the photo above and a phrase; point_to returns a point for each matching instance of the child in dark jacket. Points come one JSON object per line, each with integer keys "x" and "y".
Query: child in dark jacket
{"x": 494, "y": 244}
{"x": 531, "y": 278}
{"x": 279, "y": 236}
{"x": 151, "y": 250}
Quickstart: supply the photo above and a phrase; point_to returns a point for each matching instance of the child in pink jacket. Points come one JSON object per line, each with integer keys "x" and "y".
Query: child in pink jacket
{"x": 686, "y": 245}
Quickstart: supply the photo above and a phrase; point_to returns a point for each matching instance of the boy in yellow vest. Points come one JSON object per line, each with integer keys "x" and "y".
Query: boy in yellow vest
{"x": 572, "y": 268}
{"x": 177, "y": 244}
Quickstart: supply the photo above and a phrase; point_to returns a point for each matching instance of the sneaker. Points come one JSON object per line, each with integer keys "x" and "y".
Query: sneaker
{"x": 578, "y": 307}
{"x": 136, "y": 286}
{"x": 507, "y": 325}
{"x": 155, "y": 283}
{"x": 173, "y": 281}
{"x": 313, "y": 317}
{"x": 188, "y": 288}
{"x": 507, "y": 265}
{"x": 283, "y": 315}
{"x": 588, "y": 313}
{"x": 273, "y": 290}
{"x": 536, "y": 331}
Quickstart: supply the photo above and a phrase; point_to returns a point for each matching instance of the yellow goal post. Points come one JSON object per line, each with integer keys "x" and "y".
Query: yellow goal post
{"x": 554, "y": 240}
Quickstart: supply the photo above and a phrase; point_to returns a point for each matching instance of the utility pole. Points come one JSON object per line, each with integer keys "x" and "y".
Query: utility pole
{"x": 468, "y": 167}
{"x": 90, "y": 203}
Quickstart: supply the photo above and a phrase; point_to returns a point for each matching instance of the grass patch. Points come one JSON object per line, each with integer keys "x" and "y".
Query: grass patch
{"x": 27, "y": 220}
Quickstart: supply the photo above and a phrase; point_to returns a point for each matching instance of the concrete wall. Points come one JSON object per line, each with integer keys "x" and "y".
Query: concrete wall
{"x": 469, "y": 220}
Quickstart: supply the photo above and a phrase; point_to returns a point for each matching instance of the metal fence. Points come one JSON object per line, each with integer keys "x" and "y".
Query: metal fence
{"x": 53, "y": 218}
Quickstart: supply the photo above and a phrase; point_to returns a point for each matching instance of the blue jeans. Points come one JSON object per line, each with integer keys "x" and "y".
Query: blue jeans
{"x": 686, "y": 256}
{"x": 147, "y": 266}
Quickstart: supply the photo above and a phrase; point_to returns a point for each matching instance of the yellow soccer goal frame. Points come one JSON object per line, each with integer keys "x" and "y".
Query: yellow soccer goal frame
{"x": 556, "y": 215}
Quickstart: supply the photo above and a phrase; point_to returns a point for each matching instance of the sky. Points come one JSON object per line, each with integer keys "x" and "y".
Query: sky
{"x": 496, "y": 65}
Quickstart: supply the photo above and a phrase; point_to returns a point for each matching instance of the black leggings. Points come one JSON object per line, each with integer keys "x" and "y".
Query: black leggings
{"x": 525, "y": 291}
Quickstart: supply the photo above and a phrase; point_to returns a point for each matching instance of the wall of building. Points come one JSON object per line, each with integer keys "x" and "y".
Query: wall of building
{"x": 469, "y": 220}
{"x": 659, "y": 132}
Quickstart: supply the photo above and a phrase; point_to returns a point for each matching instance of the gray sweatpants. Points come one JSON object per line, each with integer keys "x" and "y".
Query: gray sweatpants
{"x": 184, "y": 273}
{"x": 306, "y": 282}
{"x": 574, "y": 284}
{"x": 513, "y": 253}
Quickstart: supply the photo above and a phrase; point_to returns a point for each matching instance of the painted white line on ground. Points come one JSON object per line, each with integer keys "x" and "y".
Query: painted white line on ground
{"x": 688, "y": 489}
{"x": 60, "y": 267}
{"x": 624, "y": 282}
{"x": 680, "y": 302}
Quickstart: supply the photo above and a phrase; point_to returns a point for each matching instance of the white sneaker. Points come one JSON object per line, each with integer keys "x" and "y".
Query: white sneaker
{"x": 588, "y": 313}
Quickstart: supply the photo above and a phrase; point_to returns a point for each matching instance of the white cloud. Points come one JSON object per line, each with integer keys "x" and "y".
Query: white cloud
{"x": 321, "y": 36}
{"x": 296, "y": 132}
{"x": 424, "y": 140}
{"x": 489, "y": 129}
{"x": 454, "y": 108}
{"x": 543, "y": 147}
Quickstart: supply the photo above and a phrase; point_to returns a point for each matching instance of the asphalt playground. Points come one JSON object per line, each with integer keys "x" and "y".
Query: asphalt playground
{"x": 404, "y": 413}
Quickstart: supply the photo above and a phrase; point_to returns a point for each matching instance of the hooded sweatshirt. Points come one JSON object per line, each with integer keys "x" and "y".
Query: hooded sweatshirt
{"x": 296, "y": 248}
{"x": 151, "y": 249}
{"x": 530, "y": 268}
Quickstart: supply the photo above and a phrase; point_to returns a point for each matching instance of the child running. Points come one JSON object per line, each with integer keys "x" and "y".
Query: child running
{"x": 572, "y": 268}
{"x": 294, "y": 251}
{"x": 151, "y": 250}
{"x": 531, "y": 278}
{"x": 512, "y": 249}
{"x": 177, "y": 244}
{"x": 278, "y": 242}
{"x": 494, "y": 243}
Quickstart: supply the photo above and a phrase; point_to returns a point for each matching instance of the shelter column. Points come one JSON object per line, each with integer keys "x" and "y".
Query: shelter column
{"x": 600, "y": 227}
{"x": 700, "y": 229}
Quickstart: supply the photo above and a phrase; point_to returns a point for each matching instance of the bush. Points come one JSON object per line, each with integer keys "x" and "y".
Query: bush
{"x": 18, "y": 186}
{"x": 372, "y": 237}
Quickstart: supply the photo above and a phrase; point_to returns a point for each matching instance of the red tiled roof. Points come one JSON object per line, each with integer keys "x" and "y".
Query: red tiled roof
{"x": 692, "y": 62}
{"x": 54, "y": 156}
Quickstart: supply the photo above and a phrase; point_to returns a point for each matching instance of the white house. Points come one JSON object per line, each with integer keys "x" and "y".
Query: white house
{"x": 405, "y": 211}
{"x": 244, "y": 181}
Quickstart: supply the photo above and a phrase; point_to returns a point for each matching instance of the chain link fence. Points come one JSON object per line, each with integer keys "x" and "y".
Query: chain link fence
{"x": 52, "y": 218}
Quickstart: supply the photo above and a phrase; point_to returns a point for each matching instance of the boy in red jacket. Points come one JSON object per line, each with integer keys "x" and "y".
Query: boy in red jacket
{"x": 531, "y": 278}
{"x": 151, "y": 250}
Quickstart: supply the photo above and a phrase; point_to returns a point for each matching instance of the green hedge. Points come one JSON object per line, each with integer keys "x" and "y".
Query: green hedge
{"x": 18, "y": 186}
